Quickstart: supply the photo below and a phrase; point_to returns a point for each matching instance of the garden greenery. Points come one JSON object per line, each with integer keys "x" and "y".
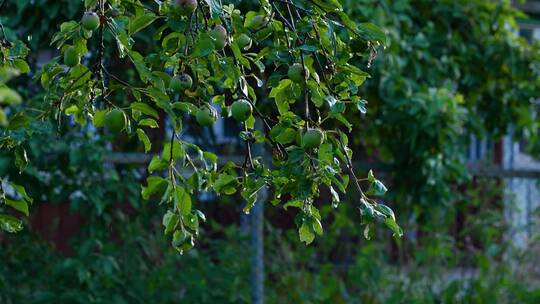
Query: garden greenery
{"x": 451, "y": 69}
{"x": 415, "y": 95}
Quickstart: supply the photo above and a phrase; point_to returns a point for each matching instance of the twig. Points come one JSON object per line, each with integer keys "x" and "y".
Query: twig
{"x": 351, "y": 170}
{"x": 101, "y": 48}
{"x": 171, "y": 161}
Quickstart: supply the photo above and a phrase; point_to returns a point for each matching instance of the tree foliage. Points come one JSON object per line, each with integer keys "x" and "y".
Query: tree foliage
{"x": 451, "y": 69}
{"x": 284, "y": 72}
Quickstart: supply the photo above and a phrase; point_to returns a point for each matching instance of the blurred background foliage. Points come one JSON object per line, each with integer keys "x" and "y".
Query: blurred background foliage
{"x": 451, "y": 69}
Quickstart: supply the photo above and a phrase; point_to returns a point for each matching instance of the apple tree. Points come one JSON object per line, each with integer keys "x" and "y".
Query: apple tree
{"x": 281, "y": 71}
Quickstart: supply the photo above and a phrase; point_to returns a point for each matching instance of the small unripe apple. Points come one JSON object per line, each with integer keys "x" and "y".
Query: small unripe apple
{"x": 115, "y": 121}
{"x": 256, "y": 22}
{"x": 243, "y": 41}
{"x": 185, "y": 7}
{"x": 241, "y": 110}
{"x": 296, "y": 73}
{"x": 90, "y": 21}
{"x": 206, "y": 116}
{"x": 219, "y": 33}
{"x": 180, "y": 238}
{"x": 179, "y": 83}
{"x": 312, "y": 138}
{"x": 182, "y": 241}
{"x": 71, "y": 56}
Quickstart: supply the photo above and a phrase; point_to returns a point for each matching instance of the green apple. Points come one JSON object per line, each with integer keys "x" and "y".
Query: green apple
{"x": 243, "y": 41}
{"x": 256, "y": 22}
{"x": 241, "y": 110}
{"x": 312, "y": 138}
{"x": 206, "y": 116}
{"x": 90, "y": 21}
{"x": 185, "y": 7}
{"x": 71, "y": 56}
{"x": 182, "y": 240}
{"x": 179, "y": 83}
{"x": 296, "y": 73}
{"x": 219, "y": 34}
{"x": 115, "y": 121}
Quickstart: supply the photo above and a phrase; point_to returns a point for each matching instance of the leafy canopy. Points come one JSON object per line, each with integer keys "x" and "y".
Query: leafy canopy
{"x": 294, "y": 69}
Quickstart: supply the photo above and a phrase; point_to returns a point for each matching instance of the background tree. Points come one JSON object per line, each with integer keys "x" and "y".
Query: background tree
{"x": 452, "y": 69}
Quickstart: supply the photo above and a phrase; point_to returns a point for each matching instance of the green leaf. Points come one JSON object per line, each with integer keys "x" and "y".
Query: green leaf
{"x": 99, "y": 118}
{"x": 372, "y": 32}
{"x": 285, "y": 93}
{"x": 20, "y": 189}
{"x": 191, "y": 221}
{"x": 3, "y": 118}
{"x": 361, "y": 106}
{"x": 335, "y": 197}
{"x": 317, "y": 226}
{"x": 123, "y": 44}
{"x": 371, "y": 176}
{"x": 342, "y": 119}
{"x": 200, "y": 215}
{"x": 325, "y": 153}
{"x": 10, "y": 224}
{"x": 249, "y": 193}
{"x": 138, "y": 60}
{"x": 170, "y": 220}
{"x": 391, "y": 223}
{"x": 377, "y": 188}
{"x": 366, "y": 233}
{"x": 156, "y": 185}
{"x": 204, "y": 47}
{"x": 185, "y": 106}
{"x": 387, "y": 211}
{"x": 367, "y": 214}
{"x": 156, "y": 164}
{"x": 215, "y": 8}
{"x": 177, "y": 151}
{"x": 21, "y": 158}
{"x": 145, "y": 140}
{"x": 20, "y": 205}
{"x": 329, "y": 5}
{"x": 316, "y": 93}
{"x": 338, "y": 107}
{"x": 355, "y": 74}
{"x": 210, "y": 160}
{"x": 148, "y": 122}
{"x": 287, "y": 136}
{"x": 182, "y": 200}
{"x": 224, "y": 181}
{"x": 306, "y": 233}
{"x": 144, "y": 108}
{"x": 140, "y": 22}
{"x": 21, "y": 65}
{"x": 19, "y": 121}
{"x": 331, "y": 100}
{"x": 293, "y": 203}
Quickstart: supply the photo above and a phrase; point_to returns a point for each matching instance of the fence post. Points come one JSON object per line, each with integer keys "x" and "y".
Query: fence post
{"x": 257, "y": 231}
{"x": 257, "y": 243}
